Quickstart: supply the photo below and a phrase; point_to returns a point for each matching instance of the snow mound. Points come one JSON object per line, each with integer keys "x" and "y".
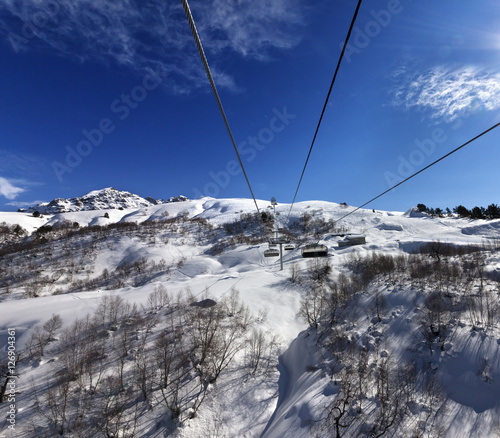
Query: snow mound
{"x": 413, "y": 212}
{"x": 489, "y": 229}
{"x": 200, "y": 266}
{"x": 389, "y": 227}
{"x": 301, "y": 389}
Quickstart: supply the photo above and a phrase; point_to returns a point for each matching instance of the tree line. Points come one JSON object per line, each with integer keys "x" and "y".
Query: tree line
{"x": 491, "y": 212}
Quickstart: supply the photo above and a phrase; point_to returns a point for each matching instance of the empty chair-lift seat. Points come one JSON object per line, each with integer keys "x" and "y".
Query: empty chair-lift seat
{"x": 353, "y": 239}
{"x": 314, "y": 250}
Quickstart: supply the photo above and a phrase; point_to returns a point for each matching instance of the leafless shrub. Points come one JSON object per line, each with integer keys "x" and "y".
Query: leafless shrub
{"x": 314, "y": 305}
{"x": 170, "y": 359}
{"x": 347, "y": 287}
{"x": 339, "y": 414}
{"x": 53, "y": 405}
{"x": 319, "y": 270}
{"x": 438, "y": 249}
{"x": 294, "y": 273}
{"x": 114, "y": 406}
{"x": 37, "y": 342}
{"x": 260, "y": 352}
{"x": 110, "y": 310}
{"x": 159, "y": 298}
{"x": 367, "y": 268}
{"x": 378, "y": 305}
{"x": 52, "y": 325}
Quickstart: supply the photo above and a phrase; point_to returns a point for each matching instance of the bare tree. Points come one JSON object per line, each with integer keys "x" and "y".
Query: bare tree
{"x": 294, "y": 273}
{"x": 314, "y": 305}
{"x": 37, "y": 342}
{"x": 319, "y": 270}
{"x": 236, "y": 311}
{"x": 228, "y": 342}
{"x": 390, "y": 394}
{"x": 125, "y": 343}
{"x": 74, "y": 345}
{"x": 93, "y": 364}
{"x": 170, "y": 361}
{"x": 339, "y": 413}
{"x": 159, "y": 298}
{"x": 53, "y": 405}
{"x": 52, "y": 325}
{"x": 144, "y": 372}
{"x": 379, "y": 304}
{"x": 113, "y": 418}
{"x": 256, "y": 349}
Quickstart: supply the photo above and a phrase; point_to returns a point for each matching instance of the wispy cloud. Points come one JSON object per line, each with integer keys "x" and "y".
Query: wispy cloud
{"x": 8, "y": 189}
{"x": 21, "y": 164}
{"x": 152, "y": 33}
{"x": 447, "y": 93}
{"x": 22, "y": 204}
{"x": 250, "y": 28}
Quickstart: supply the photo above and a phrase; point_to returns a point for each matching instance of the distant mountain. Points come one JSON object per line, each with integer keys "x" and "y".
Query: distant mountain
{"x": 103, "y": 199}
{"x": 171, "y": 199}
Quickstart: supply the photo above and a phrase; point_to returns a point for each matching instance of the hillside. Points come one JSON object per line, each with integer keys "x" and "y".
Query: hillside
{"x": 167, "y": 320}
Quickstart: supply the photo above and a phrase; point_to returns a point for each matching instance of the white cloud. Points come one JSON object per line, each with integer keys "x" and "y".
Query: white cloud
{"x": 447, "y": 93}
{"x": 251, "y": 28}
{"x": 21, "y": 204}
{"x": 153, "y": 33}
{"x": 8, "y": 190}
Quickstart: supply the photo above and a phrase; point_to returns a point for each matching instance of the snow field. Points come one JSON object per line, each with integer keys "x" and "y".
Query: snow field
{"x": 283, "y": 405}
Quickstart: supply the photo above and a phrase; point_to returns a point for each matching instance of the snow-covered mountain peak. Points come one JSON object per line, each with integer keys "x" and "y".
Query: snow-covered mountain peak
{"x": 103, "y": 199}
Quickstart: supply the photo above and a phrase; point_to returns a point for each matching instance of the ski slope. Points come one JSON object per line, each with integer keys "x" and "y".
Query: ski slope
{"x": 283, "y": 403}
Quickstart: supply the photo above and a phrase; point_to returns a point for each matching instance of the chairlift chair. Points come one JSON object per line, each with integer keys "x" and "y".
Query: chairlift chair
{"x": 314, "y": 250}
{"x": 271, "y": 253}
{"x": 289, "y": 248}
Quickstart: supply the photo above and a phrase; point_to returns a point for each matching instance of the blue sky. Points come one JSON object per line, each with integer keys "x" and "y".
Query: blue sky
{"x": 96, "y": 94}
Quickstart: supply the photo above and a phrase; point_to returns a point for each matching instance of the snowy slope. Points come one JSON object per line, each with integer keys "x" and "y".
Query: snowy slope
{"x": 283, "y": 402}
{"x": 25, "y": 220}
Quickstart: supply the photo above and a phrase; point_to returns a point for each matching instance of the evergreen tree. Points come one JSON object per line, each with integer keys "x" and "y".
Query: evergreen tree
{"x": 493, "y": 211}
{"x": 462, "y": 211}
{"x": 477, "y": 213}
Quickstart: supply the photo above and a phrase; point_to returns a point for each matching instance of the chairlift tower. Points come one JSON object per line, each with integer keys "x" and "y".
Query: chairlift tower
{"x": 277, "y": 240}
{"x": 274, "y": 203}
{"x": 280, "y": 241}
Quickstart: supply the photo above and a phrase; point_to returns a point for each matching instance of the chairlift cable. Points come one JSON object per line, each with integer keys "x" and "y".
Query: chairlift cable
{"x": 421, "y": 170}
{"x": 197, "y": 39}
{"x": 326, "y": 101}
